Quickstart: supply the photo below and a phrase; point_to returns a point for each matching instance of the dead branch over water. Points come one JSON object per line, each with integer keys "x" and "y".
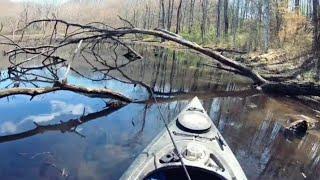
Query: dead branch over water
{"x": 90, "y": 92}
{"x": 93, "y": 35}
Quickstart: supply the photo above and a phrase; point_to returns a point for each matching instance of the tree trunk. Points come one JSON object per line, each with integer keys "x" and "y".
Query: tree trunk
{"x": 203, "y": 27}
{"x": 145, "y": 18}
{"x": 296, "y": 5}
{"x": 235, "y": 22}
{"x": 278, "y": 22}
{"x": 226, "y": 18}
{"x": 266, "y": 24}
{"x": 191, "y": 17}
{"x": 170, "y": 14}
{"x": 162, "y": 17}
{"x": 218, "y": 19}
{"x": 316, "y": 38}
{"x": 178, "y": 25}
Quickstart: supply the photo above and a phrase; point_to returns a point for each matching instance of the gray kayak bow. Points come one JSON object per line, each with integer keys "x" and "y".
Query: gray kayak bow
{"x": 205, "y": 153}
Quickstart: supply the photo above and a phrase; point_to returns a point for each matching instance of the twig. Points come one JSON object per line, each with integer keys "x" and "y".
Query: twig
{"x": 75, "y": 54}
{"x": 126, "y": 21}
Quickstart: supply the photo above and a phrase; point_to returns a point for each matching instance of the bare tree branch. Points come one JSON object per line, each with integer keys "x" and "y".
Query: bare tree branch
{"x": 94, "y": 35}
{"x": 98, "y": 93}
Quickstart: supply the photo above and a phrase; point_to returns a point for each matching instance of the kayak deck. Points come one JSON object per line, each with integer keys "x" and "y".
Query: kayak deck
{"x": 202, "y": 149}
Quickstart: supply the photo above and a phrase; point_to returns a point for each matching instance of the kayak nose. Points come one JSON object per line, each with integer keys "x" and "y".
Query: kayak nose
{"x": 194, "y": 118}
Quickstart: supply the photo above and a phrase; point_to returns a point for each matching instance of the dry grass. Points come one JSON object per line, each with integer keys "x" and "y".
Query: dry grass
{"x": 8, "y": 8}
{"x": 296, "y": 33}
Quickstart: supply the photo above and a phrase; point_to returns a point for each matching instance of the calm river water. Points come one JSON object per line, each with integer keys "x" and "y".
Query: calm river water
{"x": 251, "y": 123}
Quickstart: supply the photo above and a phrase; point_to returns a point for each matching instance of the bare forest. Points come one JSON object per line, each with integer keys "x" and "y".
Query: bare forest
{"x": 255, "y": 64}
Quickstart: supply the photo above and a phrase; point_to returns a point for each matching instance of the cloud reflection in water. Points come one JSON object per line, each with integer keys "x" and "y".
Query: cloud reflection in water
{"x": 58, "y": 108}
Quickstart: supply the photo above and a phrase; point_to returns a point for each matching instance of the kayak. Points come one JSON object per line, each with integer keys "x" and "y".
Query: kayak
{"x": 204, "y": 152}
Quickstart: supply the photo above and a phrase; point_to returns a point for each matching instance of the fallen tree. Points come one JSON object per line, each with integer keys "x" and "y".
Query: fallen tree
{"x": 94, "y": 35}
{"x": 291, "y": 89}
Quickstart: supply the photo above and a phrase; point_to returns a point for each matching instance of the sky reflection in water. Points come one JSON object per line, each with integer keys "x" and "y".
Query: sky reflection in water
{"x": 252, "y": 126}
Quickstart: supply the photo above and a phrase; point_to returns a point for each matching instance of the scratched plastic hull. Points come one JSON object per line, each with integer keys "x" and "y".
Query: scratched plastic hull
{"x": 217, "y": 159}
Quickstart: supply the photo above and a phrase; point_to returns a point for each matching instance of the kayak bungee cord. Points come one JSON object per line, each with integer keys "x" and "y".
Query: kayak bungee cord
{"x": 171, "y": 137}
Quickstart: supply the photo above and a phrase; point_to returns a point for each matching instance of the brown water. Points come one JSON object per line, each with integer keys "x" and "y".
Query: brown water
{"x": 251, "y": 123}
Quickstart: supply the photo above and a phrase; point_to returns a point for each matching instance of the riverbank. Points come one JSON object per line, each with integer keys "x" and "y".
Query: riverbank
{"x": 276, "y": 64}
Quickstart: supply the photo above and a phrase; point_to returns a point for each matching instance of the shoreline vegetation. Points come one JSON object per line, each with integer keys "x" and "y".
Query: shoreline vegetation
{"x": 271, "y": 32}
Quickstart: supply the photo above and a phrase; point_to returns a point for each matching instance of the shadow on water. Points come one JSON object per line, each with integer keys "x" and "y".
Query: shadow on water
{"x": 64, "y": 135}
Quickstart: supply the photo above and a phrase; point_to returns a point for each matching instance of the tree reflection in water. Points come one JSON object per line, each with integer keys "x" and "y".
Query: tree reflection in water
{"x": 251, "y": 123}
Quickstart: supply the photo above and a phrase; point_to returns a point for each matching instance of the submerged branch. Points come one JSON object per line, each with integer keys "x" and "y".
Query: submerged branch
{"x": 177, "y": 96}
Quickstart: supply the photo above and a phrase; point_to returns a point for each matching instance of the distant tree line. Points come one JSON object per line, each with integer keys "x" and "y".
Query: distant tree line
{"x": 244, "y": 24}
{"x": 250, "y": 24}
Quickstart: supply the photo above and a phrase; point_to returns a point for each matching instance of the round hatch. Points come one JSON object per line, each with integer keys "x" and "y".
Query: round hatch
{"x": 194, "y": 121}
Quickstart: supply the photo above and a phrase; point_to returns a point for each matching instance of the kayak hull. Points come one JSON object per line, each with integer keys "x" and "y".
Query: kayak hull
{"x": 206, "y": 151}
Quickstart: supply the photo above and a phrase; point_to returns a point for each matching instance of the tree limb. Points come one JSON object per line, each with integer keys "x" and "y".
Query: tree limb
{"x": 117, "y": 33}
{"x": 100, "y": 93}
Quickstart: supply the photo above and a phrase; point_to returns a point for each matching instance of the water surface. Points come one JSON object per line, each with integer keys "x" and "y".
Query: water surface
{"x": 104, "y": 147}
